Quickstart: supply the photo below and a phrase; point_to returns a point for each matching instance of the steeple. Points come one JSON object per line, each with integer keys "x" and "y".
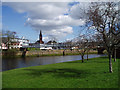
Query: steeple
{"x": 40, "y": 36}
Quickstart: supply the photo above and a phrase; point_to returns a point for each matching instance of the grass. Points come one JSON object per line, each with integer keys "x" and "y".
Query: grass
{"x": 90, "y": 74}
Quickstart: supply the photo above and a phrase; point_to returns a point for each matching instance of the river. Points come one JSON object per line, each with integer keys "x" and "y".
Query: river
{"x": 13, "y": 63}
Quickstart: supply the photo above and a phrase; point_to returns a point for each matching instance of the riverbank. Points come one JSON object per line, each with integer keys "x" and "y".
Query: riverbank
{"x": 93, "y": 73}
{"x": 38, "y": 53}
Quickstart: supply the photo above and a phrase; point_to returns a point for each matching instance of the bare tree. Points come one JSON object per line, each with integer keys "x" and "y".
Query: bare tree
{"x": 86, "y": 40}
{"x": 68, "y": 44}
{"x": 82, "y": 44}
{"x": 115, "y": 54}
{"x": 104, "y": 18}
{"x": 53, "y": 40}
{"x": 90, "y": 45}
{"x": 7, "y": 36}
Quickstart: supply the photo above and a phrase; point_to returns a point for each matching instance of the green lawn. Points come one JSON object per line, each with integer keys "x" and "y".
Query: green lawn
{"x": 90, "y": 74}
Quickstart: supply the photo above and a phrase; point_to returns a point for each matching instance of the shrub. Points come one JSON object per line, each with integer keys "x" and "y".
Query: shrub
{"x": 105, "y": 52}
{"x": 11, "y": 52}
{"x": 32, "y": 49}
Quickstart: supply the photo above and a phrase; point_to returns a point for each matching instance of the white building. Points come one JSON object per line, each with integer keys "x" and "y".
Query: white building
{"x": 19, "y": 42}
{"x": 3, "y": 46}
{"x": 41, "y": 46}
{"x": 47, "y": 46}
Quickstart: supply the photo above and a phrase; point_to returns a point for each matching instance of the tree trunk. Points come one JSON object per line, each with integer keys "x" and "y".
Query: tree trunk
{"x": 110, "y": 63}
{"x": 82, "y": 58}
{"x": 87, "y": 56}
{"x": 115, "y": 55}
{"x": 63, "y": 52}
{"x": 8, "y": 46}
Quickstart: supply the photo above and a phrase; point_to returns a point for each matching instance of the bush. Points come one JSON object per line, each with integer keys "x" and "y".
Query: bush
{"x": 11, "y": 52}
{"x": 30, "y": 49}
{"x": 105, "y": 52}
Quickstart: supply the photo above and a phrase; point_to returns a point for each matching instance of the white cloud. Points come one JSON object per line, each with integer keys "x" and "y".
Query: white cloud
{"x": 77, "y": 11}
{"x": 59, "y": 33}
{"x": 55, "y": 23}
{"x": 46, "y": 39}
{"x": 49, "y": 17}
{"x": 39, "y": 10}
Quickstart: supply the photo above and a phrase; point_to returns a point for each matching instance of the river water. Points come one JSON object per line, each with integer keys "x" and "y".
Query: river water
{"x": 13, "y": 63}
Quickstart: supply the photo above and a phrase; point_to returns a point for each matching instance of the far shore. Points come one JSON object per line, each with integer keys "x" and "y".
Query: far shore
{"x": 36, "y": 53}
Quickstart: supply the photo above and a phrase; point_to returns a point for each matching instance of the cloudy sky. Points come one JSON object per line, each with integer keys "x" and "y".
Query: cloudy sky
{"x": 59, "y": 20}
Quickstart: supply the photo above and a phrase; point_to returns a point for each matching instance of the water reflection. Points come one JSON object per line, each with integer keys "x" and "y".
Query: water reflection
{"x": 12, "y": 63}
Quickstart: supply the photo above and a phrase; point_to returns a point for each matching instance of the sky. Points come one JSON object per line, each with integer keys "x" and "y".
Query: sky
{"x": 59, "y": 20}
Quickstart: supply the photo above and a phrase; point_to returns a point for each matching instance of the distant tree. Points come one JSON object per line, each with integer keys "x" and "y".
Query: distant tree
{"x": 90, "y": 45}
{"x": 82, "y": 44}
{"x": 68, "y": 44}
{"x": 53, "y": 40}
{"x": 85, "y": 40}
{"x": 7, "y": 36}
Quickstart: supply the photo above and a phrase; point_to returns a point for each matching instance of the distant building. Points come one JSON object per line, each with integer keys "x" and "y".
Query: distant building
{"x": 49, "y": 45}
{"x": 19, "y": 42}
{"x": 40, "y": 38}
{"x": 3, "y": 46}
{"x": 51, "y": 42}
{"x": 14, "y": 43}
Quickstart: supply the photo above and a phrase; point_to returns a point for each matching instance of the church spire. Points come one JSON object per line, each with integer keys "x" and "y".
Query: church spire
{"x": 40, "y": 37}
{"x": 40, "y": 33}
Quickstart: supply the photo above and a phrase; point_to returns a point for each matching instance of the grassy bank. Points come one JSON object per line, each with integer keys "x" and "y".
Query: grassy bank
{"x": 90, "y": 74}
